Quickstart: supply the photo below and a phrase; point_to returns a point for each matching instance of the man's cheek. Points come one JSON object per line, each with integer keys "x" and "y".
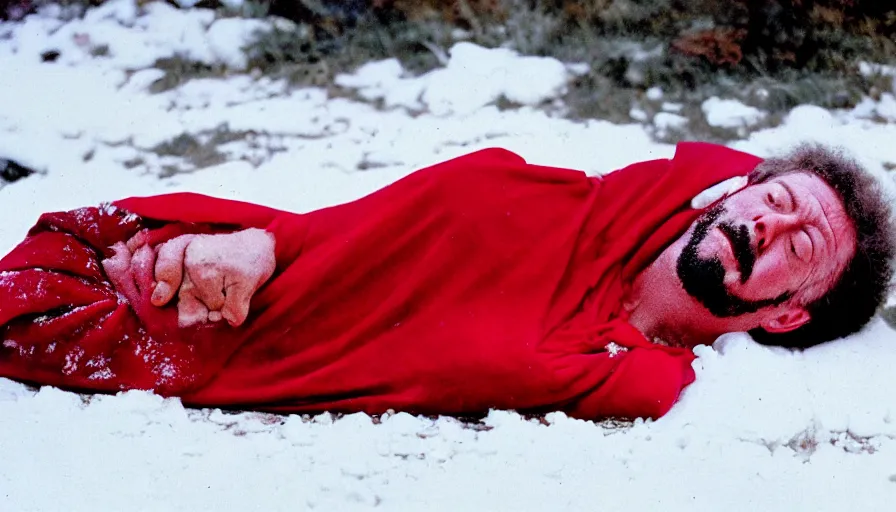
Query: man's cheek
{"x": 768, "y": 280}
{"x": 774, "y": 267}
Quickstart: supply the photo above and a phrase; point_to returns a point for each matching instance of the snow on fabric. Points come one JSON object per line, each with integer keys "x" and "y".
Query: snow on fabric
{"x": 760, "y": 429}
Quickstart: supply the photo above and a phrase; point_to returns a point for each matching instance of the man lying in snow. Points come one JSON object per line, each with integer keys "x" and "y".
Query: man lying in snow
{"x": 481, "y": 282}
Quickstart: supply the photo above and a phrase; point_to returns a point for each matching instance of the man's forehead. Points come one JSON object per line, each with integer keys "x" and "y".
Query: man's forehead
{"x": 802, "y": 179}
{"x": 808, "y": 180}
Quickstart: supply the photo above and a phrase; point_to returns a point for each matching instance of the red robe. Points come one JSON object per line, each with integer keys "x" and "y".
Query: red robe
{"x": 481, "y": 282}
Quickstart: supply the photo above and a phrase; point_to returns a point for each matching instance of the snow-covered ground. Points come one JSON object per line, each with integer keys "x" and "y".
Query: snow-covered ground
{"x": 761, "y": 429}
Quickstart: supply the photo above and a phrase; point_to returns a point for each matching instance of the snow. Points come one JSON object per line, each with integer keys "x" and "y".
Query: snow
{"x": 228, "y": 36}
{"x": 873, "y": 68}
{"x": 868, "y": 141}
{"x": 760, "y": 429}
{"x": 638, "y": 114}
{"x": 719, "y": 190}
{"x": 885, "y": 108}
{"x": 728, "y": 113}
{"x": 672, "y": 107}
{"x": 483, "y": 75}
{"x": 665, "y": 121}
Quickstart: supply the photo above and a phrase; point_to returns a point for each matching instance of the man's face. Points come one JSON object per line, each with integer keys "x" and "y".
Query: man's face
{"x": 766, "y": 244}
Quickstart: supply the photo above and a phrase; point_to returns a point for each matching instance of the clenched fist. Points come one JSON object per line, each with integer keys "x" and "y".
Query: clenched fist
{"x": 213, "y": 276}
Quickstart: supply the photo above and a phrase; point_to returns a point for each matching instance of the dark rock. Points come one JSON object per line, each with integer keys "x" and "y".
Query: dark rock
{"x": 11, "y": 171}
{"x": 50, "y": 55}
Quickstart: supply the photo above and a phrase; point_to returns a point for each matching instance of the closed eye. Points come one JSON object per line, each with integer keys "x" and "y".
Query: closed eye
{"x": 791, "y": 197}
{"x": 802, "y": 247}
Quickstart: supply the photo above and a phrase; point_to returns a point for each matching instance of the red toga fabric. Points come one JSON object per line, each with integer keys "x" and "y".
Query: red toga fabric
{"x": 481, "y": 282}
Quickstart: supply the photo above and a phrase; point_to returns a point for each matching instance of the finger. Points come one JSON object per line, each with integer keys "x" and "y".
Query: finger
{"x": 137, "y": 240}
{"x": 237, "y": 302}
{"x": 170, "y": 269}
{"x": 267, "y": 262}
{"x": 190, "y": 310}
{"x": 202, "y": 264}
{"x": 142, "y": 267}
{"x": 209, "y": 283}
{"x": 118, "y": 269}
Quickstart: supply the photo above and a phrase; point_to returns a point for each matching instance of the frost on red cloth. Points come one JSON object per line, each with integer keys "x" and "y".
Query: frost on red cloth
{"x": 65, "y": 324}
{"x": 483, "y": 282}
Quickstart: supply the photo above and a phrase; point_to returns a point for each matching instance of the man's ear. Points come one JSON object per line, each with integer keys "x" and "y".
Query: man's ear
{"x": 786, "y": 321}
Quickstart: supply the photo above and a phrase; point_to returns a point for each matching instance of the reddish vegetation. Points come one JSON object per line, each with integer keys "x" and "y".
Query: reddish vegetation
{"x": 719, "y": 46}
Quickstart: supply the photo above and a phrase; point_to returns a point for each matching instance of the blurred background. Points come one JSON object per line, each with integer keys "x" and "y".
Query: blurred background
{"x": 769, "y": 54}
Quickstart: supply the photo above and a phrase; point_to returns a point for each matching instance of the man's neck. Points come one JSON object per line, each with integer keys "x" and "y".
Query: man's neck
{"x": 655, "y": 310}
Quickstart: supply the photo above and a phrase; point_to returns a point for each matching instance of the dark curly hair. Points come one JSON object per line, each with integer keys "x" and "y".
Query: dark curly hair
{"x": 864, "y": 282}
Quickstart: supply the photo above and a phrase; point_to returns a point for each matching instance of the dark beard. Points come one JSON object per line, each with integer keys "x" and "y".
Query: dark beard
{"x": 703, "y": 278}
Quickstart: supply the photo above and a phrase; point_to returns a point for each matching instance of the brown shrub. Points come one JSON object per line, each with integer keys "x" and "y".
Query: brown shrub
{"x": 720, "y": 46}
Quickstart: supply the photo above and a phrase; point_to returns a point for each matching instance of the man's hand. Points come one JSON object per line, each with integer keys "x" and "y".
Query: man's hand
{"x": 213, "y": 276}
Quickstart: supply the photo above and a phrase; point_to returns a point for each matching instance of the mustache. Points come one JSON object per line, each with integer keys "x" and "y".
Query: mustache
{"x": 742, "y": 246}
{"x": 703, "y": 278}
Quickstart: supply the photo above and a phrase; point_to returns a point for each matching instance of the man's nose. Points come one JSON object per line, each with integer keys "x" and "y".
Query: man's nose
{"x": 769, "y": 226}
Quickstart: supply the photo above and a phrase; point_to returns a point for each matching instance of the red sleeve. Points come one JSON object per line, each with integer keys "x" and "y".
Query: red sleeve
{"x": 645, "y": 383}
{"x": 63, "y": 322}
{"x": 621, "y": 374}
{"x": 57, "y": 266}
